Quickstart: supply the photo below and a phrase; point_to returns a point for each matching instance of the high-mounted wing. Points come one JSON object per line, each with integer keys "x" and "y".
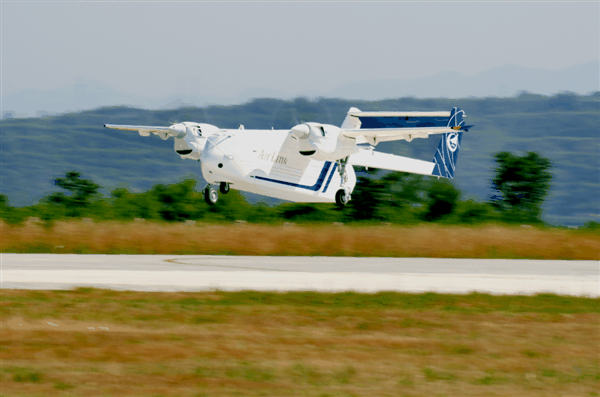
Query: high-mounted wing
{"x": 176, "y": 130}
{"x": 375, "y": 127}
{"x": 376, "y": 135}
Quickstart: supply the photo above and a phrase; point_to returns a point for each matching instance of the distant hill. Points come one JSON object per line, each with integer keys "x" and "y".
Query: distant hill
{"x": 506, "y": 81}
{"x": 564, "y": 128}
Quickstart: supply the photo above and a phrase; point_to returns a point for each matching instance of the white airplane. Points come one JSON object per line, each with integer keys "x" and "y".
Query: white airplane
{"x": 312, "y": 162}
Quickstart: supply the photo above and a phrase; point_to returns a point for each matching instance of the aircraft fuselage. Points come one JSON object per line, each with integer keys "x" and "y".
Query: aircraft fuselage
{"x": 268, "y": 162}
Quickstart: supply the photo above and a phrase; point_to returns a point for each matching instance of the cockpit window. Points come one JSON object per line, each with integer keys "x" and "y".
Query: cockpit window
{"x": 322, "y": 131}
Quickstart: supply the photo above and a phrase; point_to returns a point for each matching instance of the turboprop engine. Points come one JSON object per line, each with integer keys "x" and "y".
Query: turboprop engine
{"x": 323, "y": 142}
{"x": 190, "y": 138}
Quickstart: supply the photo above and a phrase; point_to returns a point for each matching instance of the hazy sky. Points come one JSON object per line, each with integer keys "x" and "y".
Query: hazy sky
{"x": 224, "y": 48}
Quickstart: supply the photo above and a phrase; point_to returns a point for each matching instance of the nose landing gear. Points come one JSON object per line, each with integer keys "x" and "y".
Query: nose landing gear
{"x": 211, "y": 192}
{"x": 211, "y": 195}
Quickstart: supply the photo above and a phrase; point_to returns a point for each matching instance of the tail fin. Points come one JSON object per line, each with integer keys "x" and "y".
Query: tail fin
{"x": 447, "y": 152}
{"x": 456, "y": 118}
{"x": 351, "y": 122}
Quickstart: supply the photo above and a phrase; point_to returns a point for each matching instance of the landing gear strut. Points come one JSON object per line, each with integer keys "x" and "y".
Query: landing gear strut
{"x": 341, "y": 196}
{"x": 211, "y": 195}
{"x": 342, "y": 170}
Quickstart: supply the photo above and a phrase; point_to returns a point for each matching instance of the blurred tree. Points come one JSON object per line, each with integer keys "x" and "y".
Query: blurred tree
{"x": 297, "y": 211}
{"x": 405, "y": 194}
{"x": 406, "y": 189}
{"x": 310, "y": 212}
{"x": 82, "y": 191}
{"x": 471, "y": 212}
{"x": 127, "y": 205}
{"x": 230, "y": 207}
{"x": 9, "y": 214}
{"x": 367, "y": 199}
{"x": 592, "y": 225}
{"x": 179, "y": 201}
{"x": 4, "y": 206}
{"x": 442, "y": 198}
{"x": 523, "y": 182}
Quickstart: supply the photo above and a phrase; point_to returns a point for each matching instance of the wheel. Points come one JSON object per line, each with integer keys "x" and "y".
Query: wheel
{"x": 211, "y": 195}
{"x": 224, "y": 187}
{"x": 341, "y": 198}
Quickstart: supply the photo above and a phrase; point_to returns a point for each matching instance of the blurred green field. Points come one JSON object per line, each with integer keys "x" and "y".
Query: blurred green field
{"x": 90, "y": 342}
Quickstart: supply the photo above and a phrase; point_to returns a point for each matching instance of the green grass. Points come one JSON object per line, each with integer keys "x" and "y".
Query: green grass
{"x": 303, "y": 344}
{"x": 468, "y": 303}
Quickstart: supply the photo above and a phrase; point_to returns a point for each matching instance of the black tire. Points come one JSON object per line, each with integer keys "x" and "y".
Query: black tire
{"x": 211, "y": 196}
{"x": 224, "y": 187}
{"x": 341, "y": 198}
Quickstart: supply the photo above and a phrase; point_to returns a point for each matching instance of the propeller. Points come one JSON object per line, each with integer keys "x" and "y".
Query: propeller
{"x": 301, "y": 131}
{"x": 307, "y": 136}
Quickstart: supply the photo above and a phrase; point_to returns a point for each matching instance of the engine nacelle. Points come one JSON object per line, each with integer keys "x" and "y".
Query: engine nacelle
{"x": 191, "y": 138}
{"x": 323, "y": 142}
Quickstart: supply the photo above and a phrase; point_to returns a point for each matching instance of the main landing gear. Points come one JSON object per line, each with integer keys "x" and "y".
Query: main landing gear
{"x": 211, "y": 192}
{"x": 224, "y": 187}
{"x": 342, "y": 196}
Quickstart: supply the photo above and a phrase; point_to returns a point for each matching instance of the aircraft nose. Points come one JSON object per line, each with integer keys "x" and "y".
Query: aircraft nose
{"x": 301, "y": 131}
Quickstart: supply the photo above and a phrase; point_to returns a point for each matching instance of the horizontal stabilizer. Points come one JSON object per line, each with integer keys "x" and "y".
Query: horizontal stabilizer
{"x": 373, "y": 159}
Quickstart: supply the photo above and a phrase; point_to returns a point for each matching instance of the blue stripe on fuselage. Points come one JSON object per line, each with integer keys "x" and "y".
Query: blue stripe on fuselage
{"x": 314, "y": 187}
{"x": 330, "y": 177}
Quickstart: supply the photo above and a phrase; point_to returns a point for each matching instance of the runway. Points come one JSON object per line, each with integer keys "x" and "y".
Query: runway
{"x": 327, "y": 274}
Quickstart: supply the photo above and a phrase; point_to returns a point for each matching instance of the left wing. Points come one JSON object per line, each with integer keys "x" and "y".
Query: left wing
{"x": 176, "y": 130}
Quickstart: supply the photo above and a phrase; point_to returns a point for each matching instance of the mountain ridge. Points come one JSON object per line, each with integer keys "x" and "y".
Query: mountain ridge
{"x": 504, "y": 81}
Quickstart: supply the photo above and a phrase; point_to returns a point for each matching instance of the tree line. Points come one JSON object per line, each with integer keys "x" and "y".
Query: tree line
{"x": 521, "y": 183}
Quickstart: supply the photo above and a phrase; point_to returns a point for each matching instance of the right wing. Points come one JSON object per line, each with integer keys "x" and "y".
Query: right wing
{"x": 375, "y": 135}
{"x": 176, "y": 130}
{"x": 373, "y": 159}
{"x": 375, "y": 127}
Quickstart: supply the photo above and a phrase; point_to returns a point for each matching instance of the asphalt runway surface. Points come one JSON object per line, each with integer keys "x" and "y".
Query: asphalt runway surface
{"x": 327, "y": 274}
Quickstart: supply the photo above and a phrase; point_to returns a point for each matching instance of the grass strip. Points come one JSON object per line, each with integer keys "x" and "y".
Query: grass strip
{"x": 89, "y": 341}
{"x": 489, "y": 241}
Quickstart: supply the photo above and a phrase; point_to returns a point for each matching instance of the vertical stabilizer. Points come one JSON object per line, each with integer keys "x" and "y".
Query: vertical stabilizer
{"x": 447, "y": 152}
{"x": 351, "y": 122}
{"x": 456, "y": 118}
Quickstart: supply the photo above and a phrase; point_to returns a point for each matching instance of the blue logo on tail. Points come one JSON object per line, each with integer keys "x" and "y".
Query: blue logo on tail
{"x": 447, "y": 152}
